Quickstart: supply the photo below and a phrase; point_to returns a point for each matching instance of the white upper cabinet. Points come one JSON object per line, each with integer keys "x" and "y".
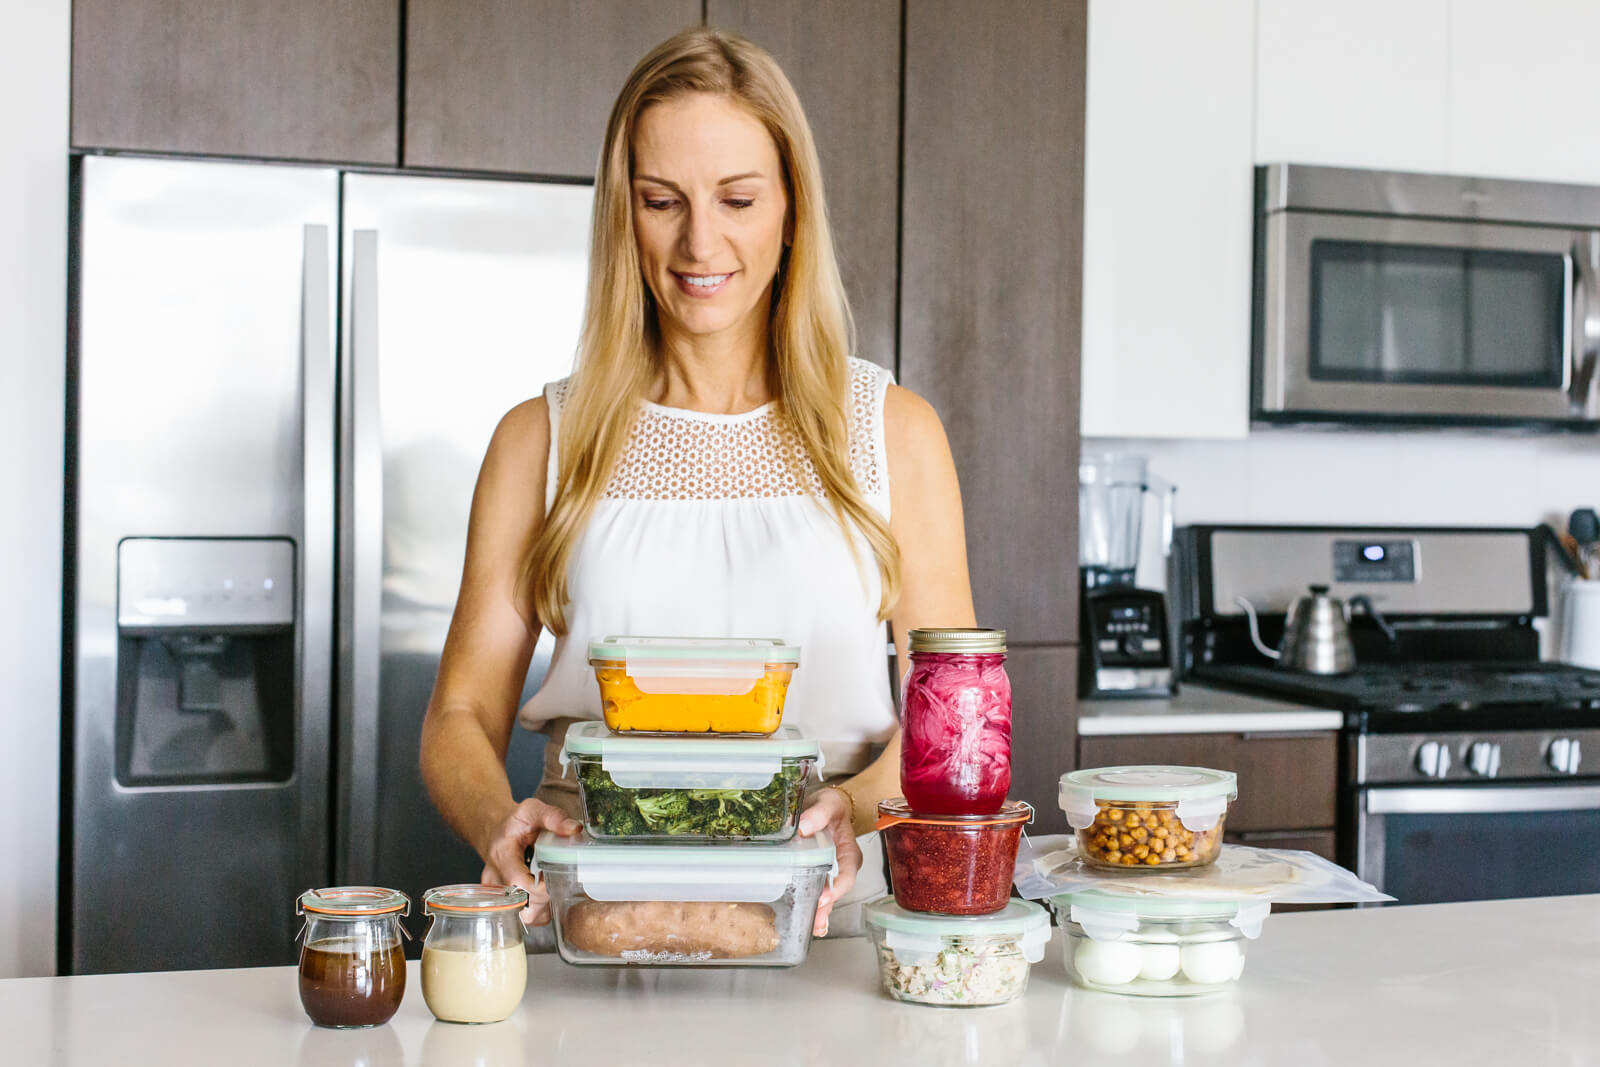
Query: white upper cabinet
{"x": 1358, "y": 83}
{"x": 1519, "y": 75}
{"x": 1166, "y": 233}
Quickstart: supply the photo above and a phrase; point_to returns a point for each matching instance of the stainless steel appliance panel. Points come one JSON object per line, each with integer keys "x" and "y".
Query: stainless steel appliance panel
{"x": 205, "y": 384}
{"x": 463, "y": 298}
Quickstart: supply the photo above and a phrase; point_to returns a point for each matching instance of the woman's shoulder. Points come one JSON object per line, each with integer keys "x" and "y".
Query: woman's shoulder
{"x": 524, "y": 431}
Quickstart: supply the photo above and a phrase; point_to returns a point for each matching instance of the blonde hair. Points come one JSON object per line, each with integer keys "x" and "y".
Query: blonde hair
{"x": 810, "y": 329}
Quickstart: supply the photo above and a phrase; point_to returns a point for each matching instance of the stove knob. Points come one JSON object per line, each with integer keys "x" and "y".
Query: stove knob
{"x": 1433, "y": 759}
{"x": 1483, "y": 759}
{"x": 1563, "y": 755}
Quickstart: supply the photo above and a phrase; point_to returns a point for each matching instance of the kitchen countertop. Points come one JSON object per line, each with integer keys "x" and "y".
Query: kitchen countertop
{"x": 1200, "y": 709}
{"x": 1493, "y": 982}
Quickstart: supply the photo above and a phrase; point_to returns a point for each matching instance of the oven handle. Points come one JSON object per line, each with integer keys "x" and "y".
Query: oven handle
{"x": 1586, "y": 320}
{"x": 1482, "y": 800}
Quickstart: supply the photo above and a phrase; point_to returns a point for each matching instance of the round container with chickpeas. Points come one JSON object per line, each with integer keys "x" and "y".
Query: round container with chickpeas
{"x": 1154, "y": 817}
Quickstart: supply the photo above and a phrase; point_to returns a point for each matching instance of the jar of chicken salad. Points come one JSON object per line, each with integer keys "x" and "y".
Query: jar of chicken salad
{"x": 957, "y": 961}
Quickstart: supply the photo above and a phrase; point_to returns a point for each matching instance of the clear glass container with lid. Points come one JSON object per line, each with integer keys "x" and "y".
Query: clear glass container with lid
{"x": 474, "y": 963}
{"x": 1153, "y": 946}
{"x": 693, "y": 685}
{"x": 352, "y": 963}
{"x": 955, "y": 748}
{"x": 952, "y": 864}
{"x": 965, "y": 961}
{"x": 1148, "y": 816}
{"x": 690, "y": 789}
{"x": 684, "y": 905}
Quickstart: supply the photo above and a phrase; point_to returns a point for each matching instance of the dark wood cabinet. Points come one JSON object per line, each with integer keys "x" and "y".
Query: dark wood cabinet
{"x": 523, "y": 86}
{"x": 990, "y": 293}
{"x": 274, "y": 79}
{"x": 843, "y": 57}
{"x": 1044, "y": 694}
{"x": 1288, "y": 783}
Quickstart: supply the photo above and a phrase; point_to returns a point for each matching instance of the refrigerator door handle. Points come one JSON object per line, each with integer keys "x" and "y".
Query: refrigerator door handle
{"x": 315, "y": 567}
{"x": 364, "y": 571}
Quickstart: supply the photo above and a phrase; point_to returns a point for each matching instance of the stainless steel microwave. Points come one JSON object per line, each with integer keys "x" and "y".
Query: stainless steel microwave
{"x": 1424, "y": 299}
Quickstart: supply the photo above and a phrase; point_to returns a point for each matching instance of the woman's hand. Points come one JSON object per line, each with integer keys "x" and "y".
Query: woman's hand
{"x": 830, "y": 811}
{"x": 506, "y": 858}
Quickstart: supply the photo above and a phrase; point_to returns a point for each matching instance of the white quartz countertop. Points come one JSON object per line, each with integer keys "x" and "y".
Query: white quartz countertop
{"x": 1200, "y": 709}
{"x": 1503, "y": 982}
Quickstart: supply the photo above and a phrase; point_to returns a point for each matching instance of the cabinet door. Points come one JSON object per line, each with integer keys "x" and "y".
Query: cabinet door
{"x": 1362, "y": 83}
{"x": 1044, "y": 721}
{"x": 523, "y": 86}
{"x": 1515, "y": 76}
{"x": 1167, "y": 217}
{"x": 1286, "y": 781}
{"x": 989, "y": 294}
{"x": 276, "y": 79}
{"x": 843, "y": 57}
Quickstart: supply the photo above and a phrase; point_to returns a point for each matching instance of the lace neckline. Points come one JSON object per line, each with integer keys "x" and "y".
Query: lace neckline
{"x": 709, "y": 416}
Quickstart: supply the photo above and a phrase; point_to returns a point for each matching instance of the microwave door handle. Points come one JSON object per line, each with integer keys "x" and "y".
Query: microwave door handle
{"x": 1586, "y": 320}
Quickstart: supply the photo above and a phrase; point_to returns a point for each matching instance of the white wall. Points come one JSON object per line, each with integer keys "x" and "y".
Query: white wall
{"x": 33, "y": 271}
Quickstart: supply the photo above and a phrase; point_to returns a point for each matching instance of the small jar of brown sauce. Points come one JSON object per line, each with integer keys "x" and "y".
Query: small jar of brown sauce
{"x": 352, "y": 965}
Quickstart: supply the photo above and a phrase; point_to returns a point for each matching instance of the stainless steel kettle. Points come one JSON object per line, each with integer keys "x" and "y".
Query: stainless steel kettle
{"x": 1316, "y": 632}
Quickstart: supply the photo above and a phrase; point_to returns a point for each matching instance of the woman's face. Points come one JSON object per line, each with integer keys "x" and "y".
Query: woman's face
{"x": 709, "y": 211}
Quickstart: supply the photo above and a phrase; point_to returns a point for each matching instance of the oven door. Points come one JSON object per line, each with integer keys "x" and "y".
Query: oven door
{"x": 1376, "y": 317}
{"x": 1480, "y": 842}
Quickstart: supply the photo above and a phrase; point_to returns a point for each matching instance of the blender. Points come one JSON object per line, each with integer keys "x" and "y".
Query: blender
{"x": 1125, "y": 644}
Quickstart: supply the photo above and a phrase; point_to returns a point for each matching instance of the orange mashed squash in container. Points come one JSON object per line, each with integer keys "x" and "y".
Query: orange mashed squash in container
{"x": 693, "y": 685}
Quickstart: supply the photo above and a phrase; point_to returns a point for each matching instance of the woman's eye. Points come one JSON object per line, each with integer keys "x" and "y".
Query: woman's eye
{"x": 658, "y": 205}
{"x": 738, "y": 203}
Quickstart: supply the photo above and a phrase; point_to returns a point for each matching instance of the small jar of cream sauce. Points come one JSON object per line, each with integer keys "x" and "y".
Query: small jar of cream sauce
{"x": 474, "y": 965}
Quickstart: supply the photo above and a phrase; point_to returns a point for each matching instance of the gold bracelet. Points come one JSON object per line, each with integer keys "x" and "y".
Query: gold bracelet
{"x": 850, "y": 800}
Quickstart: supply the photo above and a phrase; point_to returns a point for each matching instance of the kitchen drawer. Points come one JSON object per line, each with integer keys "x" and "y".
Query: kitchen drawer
{"x": 1286, "y": 781}
{"x": 1323, "y": 842}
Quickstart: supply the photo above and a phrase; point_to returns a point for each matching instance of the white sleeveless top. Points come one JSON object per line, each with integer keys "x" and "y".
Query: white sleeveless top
{"x": 705, "y": 530}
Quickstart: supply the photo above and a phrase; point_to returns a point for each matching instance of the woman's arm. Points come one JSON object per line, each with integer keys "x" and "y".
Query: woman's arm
{"x": 485, "y": 660}
{"x": 925, "y": 518}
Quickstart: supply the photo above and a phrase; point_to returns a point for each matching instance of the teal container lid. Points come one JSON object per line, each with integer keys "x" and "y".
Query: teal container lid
{"x": 708, "y": 649}
{"x": 596, "y": 739}
{"x": 1106, "y": 914}
{"x": 1018, "y": 917}
{"x": 583, "y": 851}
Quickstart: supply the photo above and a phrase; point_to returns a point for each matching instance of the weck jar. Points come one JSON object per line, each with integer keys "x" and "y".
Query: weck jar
{"x": 352, "y": 963}
{"x": 474, "y": 965}
{"x": 955, "y": 754}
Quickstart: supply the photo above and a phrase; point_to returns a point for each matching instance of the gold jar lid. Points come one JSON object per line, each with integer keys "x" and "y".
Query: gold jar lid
{"x": 971, "y": 641}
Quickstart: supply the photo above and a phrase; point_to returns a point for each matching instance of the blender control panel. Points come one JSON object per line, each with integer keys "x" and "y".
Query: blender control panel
{"x": 1128, "y": 629}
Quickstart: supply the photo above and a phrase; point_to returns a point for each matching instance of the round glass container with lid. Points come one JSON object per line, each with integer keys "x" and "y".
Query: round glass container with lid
{"x": 474, "y": 964}
{"x": 1156, "y": 946}
{"x": 955, "y": 748}
{"x": 951, "y": 864}
{"x": 352, "y": 965}
{"x": 965, "y": 961}
{"x": 1148, "y": 816}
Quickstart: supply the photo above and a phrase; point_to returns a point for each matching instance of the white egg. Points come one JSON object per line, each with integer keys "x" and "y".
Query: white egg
{"x": 1211, "y": 962}
{"x": 1158, "y": 963}
{"x": 1107, "y": 962}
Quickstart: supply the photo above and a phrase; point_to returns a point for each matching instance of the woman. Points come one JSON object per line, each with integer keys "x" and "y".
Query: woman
{"x": 717, "y": 465}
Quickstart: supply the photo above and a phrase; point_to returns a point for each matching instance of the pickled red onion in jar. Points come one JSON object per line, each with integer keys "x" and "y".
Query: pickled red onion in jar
{"x": 955, "y": 756}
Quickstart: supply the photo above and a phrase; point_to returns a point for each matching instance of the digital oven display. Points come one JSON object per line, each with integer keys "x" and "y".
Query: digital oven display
{"x": 1375, "y": 561}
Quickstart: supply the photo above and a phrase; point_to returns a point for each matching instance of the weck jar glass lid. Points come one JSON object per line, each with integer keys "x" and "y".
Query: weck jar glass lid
{"x": 353, "y": 900}
{"x": 474, "y": 899}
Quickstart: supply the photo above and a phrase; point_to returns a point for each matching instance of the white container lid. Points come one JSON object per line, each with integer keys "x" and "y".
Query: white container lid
{"x": 914, "y": 935}
{"x": 702, "y": 665}
{"x": 688, "y": 762}
{"x": 1201, "y": 794}
{"x": 1107, "y": 914}
{"x": 684, "y": 872}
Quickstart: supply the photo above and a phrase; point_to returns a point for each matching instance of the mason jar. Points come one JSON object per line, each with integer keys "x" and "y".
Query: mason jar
{"x": 955, "y": 749}
{"x": 352, "y": 964}
{"x": 474, "y": 965}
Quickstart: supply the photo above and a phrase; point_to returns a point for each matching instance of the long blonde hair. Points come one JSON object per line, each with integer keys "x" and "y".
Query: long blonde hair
{"x": 810, "y": 329}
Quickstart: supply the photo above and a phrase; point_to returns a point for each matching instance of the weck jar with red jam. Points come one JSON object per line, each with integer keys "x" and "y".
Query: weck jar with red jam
{"x": 352, "y": 964}
{"x": 955, "y": 747}
{"x": 952, "y": 864}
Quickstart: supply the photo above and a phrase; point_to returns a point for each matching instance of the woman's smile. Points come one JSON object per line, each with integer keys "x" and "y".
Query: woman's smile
{"x": 702, "y": 286}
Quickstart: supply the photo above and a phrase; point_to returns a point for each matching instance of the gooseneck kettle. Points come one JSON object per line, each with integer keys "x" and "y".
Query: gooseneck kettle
{"x": 1316, "y": 632}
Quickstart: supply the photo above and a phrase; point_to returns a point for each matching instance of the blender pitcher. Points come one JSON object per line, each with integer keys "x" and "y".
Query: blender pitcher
{"x": 1111, "y": 502}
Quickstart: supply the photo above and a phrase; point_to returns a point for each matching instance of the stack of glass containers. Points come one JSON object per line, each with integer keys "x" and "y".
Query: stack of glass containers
{"x": 692, "y": 789}
{"x": 951, "y": 936}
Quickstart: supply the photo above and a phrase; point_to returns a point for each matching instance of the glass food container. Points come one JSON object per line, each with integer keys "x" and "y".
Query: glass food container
{"x": 951, "y": 864}
{"x": 690, "y": 789}
{"x": 1154, "y": 816}
{"x": 1156, "y": 946}
{"x": 965, "y": 961}
{"x": 352, "y": 965}
{"x": 678, "y": 905}
{"x": 955, "y": 752}
{"x": 474, "y": 964}
{"x": 693, "y": 685}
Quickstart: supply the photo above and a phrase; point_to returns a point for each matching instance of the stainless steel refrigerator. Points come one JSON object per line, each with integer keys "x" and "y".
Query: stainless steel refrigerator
{"x": 282, "y": 382}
